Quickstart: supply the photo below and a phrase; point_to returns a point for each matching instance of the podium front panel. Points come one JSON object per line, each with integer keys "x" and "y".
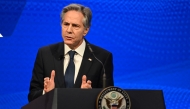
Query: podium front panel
{"x": 74, "y": 98}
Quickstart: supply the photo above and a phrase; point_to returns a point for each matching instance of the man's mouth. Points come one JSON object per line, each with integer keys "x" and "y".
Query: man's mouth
{"x": 68, "y": 37}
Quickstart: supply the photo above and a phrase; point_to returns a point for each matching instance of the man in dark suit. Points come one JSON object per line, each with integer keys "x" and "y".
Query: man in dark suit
{"x": 55, "y": 67}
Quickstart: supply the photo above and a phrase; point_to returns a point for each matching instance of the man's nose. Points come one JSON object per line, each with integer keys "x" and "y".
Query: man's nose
{"x": 69, "y": 29}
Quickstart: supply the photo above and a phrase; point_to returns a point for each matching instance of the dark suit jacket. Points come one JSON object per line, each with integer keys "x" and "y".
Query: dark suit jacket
{"x": 51, "y": 58}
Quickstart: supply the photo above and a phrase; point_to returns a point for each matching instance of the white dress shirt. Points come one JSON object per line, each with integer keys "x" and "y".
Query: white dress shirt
{"x": 77, "y": 57}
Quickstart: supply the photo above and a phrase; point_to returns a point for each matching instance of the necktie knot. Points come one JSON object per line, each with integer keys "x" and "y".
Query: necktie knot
{"x": 71, "y": 54}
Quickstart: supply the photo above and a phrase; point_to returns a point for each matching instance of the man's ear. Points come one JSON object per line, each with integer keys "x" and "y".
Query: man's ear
{"x": 86, "y": 31}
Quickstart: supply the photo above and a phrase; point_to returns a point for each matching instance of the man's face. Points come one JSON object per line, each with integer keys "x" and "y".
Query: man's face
{"x": 73, "y": 29}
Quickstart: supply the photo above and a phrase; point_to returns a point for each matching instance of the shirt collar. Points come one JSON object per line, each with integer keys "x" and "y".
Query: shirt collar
{"x": 79, "y": 50}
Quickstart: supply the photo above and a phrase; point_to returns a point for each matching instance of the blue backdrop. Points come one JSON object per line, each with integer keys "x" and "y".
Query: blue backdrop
{"x": 149, "y": 39}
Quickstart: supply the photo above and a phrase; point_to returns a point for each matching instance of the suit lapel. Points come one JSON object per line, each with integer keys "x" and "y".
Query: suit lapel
{"x": 85, "y": 66}
{"x": 58, "y": 53}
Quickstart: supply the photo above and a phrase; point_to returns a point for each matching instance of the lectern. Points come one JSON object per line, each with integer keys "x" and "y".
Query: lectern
{"x": 74, "y": 98}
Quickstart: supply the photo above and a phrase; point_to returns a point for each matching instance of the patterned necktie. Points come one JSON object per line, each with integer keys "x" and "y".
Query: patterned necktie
{"x": 70, "y": 72}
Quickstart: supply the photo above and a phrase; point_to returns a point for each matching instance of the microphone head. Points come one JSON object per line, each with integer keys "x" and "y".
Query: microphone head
{"x": 90, "y": 47}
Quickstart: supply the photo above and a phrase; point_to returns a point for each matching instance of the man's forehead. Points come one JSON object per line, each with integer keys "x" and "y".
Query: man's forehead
{"x": 73, "y": 17}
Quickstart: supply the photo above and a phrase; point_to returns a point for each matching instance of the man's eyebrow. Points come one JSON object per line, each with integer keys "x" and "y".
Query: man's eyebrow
{"x": 75, "y": 24}
{"x": 65, "y": 22}
{"x": 72, "y": 23}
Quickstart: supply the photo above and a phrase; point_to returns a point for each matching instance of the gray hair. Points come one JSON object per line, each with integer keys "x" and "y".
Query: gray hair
{"x": 80, "y": 8}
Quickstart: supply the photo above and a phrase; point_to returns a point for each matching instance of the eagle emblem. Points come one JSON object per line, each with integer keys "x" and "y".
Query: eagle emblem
{"x": 113, "y": 98}
{"x": 113, "y": 103}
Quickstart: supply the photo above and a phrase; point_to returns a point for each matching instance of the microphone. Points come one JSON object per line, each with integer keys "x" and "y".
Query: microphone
{"x": 104, "y": 72}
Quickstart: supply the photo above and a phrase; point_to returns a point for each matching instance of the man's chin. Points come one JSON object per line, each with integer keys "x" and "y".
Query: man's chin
{"x": 68, "y": 42}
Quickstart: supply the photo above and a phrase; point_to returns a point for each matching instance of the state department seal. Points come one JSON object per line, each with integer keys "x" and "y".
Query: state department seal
{"x": 113, "y": 98}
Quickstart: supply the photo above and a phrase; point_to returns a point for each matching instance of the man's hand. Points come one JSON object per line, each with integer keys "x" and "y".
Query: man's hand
{"x": 49, "y": 82}
{"x": 85, "y": 85}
